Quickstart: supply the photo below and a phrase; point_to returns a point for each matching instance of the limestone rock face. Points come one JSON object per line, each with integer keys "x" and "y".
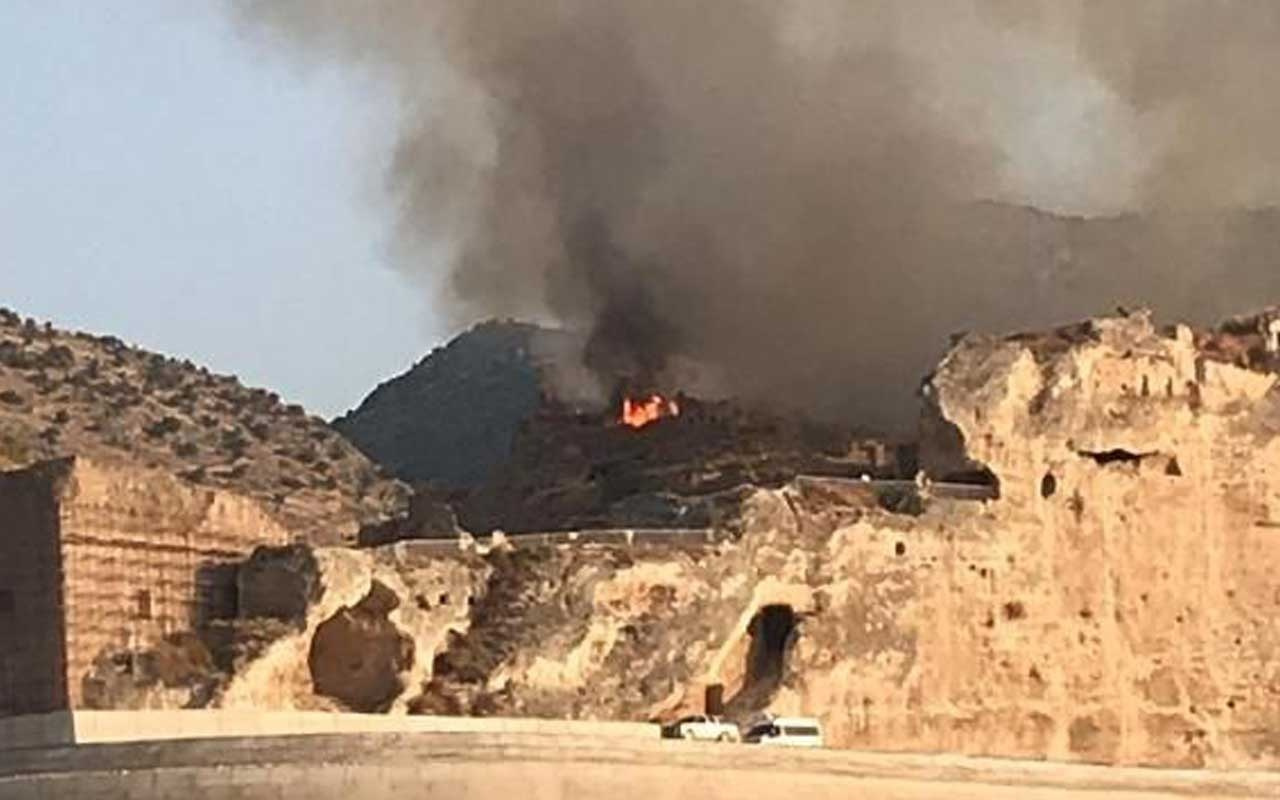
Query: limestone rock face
{"x": 1119, "y": 602}
{"x": 1134, "y": 546}
{"x": 345, "y": 629}
{"x": 1116, "y": 604}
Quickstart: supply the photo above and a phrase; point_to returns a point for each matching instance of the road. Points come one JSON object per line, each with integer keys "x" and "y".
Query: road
{"x": 479, "y": 766}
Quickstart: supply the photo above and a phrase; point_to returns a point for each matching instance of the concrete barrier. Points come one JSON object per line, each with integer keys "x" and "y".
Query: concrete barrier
{"x": 89, "y": 727}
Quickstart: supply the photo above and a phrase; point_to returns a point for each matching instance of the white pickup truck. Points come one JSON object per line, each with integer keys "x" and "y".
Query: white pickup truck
{"x": 702, "y": 728}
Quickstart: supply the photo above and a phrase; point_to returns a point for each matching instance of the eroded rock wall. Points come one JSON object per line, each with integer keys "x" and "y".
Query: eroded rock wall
{"x": 346, "y": 629}
{"x": 1116, "y": 604}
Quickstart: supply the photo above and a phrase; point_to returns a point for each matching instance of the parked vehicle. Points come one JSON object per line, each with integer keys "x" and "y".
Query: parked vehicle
{"x": 702, "y": 728}
{"x": 786, "y": 732}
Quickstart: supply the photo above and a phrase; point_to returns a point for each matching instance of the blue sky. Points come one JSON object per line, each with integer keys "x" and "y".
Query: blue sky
{"x": 164, "y": 180}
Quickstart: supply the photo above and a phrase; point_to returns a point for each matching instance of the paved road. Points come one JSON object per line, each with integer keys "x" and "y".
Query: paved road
{"x": 516, "y": 767}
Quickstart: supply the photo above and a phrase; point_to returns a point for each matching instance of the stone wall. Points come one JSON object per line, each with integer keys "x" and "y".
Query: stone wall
{"x": 32, "y": 657}
{"x": 100, "y": 558}
{"x": 146, "y": 555}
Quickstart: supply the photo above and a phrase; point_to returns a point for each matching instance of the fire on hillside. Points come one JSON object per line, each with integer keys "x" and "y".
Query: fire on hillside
{"x": 637, "y": 413}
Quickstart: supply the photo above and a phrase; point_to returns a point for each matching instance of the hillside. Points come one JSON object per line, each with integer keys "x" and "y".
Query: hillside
{"x": 67, "y": 393}
{"x": 451, "y": 418}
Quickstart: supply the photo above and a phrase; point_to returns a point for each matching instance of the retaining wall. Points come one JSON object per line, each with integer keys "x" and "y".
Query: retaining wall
{"x": 90, "y": 727}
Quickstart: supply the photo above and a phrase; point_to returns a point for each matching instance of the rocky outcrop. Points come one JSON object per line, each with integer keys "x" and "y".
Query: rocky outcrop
{"x": 345, "y": 629}
{"x": 65, "y": 393}
{"x": 1115, "y": 602}
{"x": 430, "y": 516}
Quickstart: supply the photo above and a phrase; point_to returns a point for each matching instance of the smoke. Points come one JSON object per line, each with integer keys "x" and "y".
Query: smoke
{"x": 809, "y": 196}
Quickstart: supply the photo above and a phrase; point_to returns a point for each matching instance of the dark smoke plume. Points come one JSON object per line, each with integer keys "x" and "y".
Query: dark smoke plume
{"x": 809, "y": 196}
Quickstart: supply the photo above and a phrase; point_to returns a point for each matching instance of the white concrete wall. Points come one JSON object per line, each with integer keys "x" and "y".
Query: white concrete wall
{"x": 89, "y": 727}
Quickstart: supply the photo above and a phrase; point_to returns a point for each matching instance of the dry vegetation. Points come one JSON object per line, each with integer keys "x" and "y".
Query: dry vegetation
{"x": 67, "y": 393}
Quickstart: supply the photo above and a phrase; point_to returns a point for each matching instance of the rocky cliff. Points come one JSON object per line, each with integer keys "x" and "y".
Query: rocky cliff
{"x": 1117, "y": 603}
{"x": 65, "y": 393}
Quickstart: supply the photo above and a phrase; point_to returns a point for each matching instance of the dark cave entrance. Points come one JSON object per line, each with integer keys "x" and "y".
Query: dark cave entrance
{"x": 773, "y": 632}
{"x": 770, "y": 632}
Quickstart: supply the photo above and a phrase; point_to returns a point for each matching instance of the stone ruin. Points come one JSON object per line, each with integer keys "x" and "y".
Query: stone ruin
{"x": 98, "y": 560}
{"x": 1116, "y": 604}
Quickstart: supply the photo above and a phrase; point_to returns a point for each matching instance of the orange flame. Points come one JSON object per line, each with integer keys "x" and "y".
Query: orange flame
{"x": 638, "y": 413}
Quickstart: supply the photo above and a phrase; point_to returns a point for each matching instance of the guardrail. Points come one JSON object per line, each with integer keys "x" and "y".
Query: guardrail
{"x": 630, "y": 537}
{"x": 949, "y": 490}
{"x": 617, "y": 537}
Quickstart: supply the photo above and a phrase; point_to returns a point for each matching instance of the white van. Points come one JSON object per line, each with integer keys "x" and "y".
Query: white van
{"x": 786, "y": 732}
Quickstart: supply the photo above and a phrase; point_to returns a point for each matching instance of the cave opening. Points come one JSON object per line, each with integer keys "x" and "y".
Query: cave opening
{"x": 1114, "y": 456}
{"x": 770, "y": 640}
{"x": 773, "y": 632}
